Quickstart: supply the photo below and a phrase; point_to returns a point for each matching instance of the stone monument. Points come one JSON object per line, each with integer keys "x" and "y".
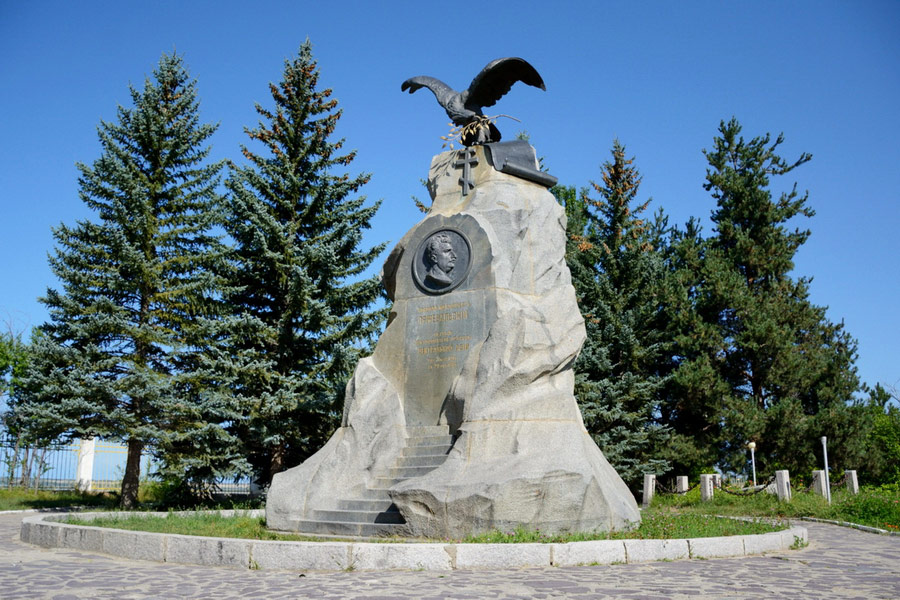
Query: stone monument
{"x": 464, "y": 420}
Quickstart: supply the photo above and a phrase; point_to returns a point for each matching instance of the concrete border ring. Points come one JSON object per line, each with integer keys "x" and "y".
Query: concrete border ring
{"x": 46, "y": 531}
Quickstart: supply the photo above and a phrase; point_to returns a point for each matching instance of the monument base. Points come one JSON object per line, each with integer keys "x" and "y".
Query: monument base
{"x": 538, "y": 476}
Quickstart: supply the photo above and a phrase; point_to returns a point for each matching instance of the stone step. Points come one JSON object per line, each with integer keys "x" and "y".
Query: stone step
{"x": 371, "y": 512}
{"x": 423, "y": 460}
{"x": 350, "y": 529}
{"x": 395, "y": 476}
{"x": 401, "y": 473}
{"x": 430, "y": 440}
{"x": 367, "y": 504}
{"x": 359, "y": 516}
{"x": 378, "y": 492}
{"x": 426, "y": 431}
{"x": 440, "y": 450}
{"x": 382, "y": 485}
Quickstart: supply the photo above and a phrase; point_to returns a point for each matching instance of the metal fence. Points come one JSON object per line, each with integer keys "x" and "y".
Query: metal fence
{"x": 55, "y": 467}
{"x": 109, "y": 467}
{"x": 49, "y": 467}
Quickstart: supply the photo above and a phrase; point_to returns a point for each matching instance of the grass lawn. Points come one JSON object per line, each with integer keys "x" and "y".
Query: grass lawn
{"x": 151, "y": 497}
{"x": 874, "y": 506}
{"x": 22, "y": 499}
{"x": 656, "y": 524}
{"x": 671, "y": 516}
{"x": 194, "y": 523}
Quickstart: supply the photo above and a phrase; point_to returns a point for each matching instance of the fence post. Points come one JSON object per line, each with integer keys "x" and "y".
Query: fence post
{"x": 681, "y": 484}
{"x": 852, "y": 483}
{"x": 783, "y": 485}
{"x": 819, "y": 485}
{"x": 706, "y": 487}
{"x": 84, "y": 471}
{"x": 649, "y": 488}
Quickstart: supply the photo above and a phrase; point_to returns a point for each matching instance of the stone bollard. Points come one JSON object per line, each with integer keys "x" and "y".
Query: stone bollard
{"x": 783, "y": 485}
{"x": 681, "y": 484}
{"x": 717, "y": 480}
{"x": 706, "y": 487}
{"x": 649, "y": 488}
{"x": 852, "y": 482}
{"x": 819, "y": 485}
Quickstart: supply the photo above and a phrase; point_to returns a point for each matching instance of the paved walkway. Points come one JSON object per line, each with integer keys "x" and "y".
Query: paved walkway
{"x": 839, "y": 563}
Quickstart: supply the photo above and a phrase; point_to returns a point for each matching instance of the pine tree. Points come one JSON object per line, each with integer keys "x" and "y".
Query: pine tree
{"x": 117, "y": 358}
{"x": 304, "y": 311}
{"x": 692, "y": 404}
{"x": 619, "y": 276}
{"x": 783, "y": 372}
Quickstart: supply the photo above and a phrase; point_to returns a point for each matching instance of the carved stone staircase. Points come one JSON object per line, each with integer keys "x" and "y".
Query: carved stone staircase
{"x": 373, "y": 513}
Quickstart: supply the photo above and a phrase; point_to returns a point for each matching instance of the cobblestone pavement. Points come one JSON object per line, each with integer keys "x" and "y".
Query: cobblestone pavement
{"x": 838, "y": 563}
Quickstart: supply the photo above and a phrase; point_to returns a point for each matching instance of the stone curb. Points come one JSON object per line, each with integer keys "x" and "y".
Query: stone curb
{"x": 851, "y": 525}
{"x": 52, "y": 509}
{"x": 45, "y": 531}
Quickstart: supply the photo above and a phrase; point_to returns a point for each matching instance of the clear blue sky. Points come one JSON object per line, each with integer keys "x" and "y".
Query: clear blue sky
{"x": 658, "y": 75}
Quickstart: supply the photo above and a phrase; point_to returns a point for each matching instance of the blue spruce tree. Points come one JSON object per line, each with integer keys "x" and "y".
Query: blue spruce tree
{"x": 117, "y": 357}
{"x": 303, "y": 313}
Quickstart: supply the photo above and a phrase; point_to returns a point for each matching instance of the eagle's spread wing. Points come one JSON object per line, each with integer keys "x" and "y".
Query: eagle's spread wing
{"x": 495, "y": 80}
{"x": 443, "y": 92}
{"x": 464, "y": 109}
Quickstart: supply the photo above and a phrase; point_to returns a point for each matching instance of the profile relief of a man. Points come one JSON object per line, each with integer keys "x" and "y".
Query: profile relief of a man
{"x": 440, "y": 259}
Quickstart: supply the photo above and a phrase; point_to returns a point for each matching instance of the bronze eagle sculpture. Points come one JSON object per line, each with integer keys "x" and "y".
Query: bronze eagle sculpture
{"x": 491, "y": 84}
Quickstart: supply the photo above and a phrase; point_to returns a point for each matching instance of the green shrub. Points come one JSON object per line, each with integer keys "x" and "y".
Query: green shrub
{"x": 875, "y": 507}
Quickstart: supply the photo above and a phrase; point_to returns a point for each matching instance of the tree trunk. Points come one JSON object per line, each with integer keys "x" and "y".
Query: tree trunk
{"x": 276, "y": 463}
{"x": 27, "y": 456}
{"x": 132, "y": 478}
{"x": 40, "y": 469}
{"x": 14, "y": 461}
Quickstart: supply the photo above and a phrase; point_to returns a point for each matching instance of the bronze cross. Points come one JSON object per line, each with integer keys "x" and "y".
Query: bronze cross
{"x": 466, "y": 159}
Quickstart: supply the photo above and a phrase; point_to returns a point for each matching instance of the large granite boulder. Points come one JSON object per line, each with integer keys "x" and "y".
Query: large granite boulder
{"x": 483, "y": 332}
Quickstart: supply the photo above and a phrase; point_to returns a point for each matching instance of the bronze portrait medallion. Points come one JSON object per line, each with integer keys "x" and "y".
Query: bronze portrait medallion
{"x": 442, "y": 261}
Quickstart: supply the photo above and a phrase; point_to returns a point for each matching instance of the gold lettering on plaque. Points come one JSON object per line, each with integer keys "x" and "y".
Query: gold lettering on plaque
{"x": 440, "y": 347}
{"x": 443, "y": 313}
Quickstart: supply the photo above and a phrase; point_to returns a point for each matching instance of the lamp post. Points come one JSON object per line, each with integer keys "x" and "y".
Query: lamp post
{"x": 752, "y": 446}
